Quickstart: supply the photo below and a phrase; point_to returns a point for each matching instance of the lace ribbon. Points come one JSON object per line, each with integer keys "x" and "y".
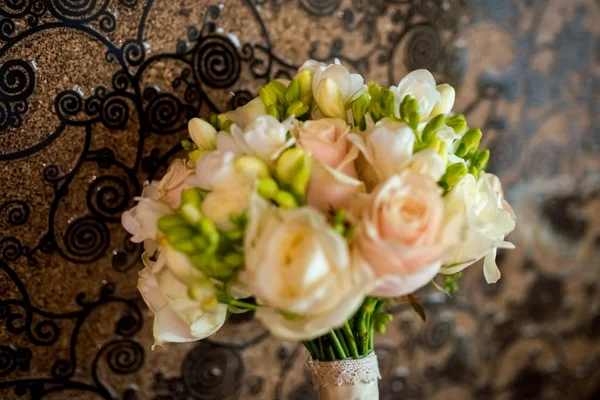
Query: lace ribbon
{"x": 342, "y": 372}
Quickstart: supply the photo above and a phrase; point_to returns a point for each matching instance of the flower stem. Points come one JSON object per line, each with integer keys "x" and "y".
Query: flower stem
{"x": 350, "y": 339}
{"x": 321, "y": 350}
{"x": 342, "y": 339}
{"x": 337, "y": 346}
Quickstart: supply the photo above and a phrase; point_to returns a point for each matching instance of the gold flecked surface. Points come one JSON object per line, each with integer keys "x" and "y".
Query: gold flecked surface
{"x": 94, "y": 97}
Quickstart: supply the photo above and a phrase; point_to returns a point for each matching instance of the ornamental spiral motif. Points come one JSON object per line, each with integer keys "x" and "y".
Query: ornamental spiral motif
{"x": 216, "y": 62}
{"x": 86, "y": 239}
{"x": 211, "y": 371}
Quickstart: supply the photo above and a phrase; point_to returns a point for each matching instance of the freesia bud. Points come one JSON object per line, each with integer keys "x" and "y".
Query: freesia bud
{"x": 267, "y": 188}
{"x": 203, "y": 134}
{"x": 329, "y": 99}
{"x": 454, "y": 174}
{"x": 430, "y": 130}
{"x": 447, "y": 94}
{"x": 297, "y": 109}
{"x": 457, "y": 122}
{"x": 359, "y": 108}
{"x": 293, "y": 169}
{"x": 292, "y": 92}
{"x": 305, "y": 78}
{"x": 195, "y": 155}
{"x": 191, "y": 202}
{"x": 252, "y": 166}
{"x": 285, "y": 199}
{"x": 469, "y": 142}
{"x": 480, "y": 160}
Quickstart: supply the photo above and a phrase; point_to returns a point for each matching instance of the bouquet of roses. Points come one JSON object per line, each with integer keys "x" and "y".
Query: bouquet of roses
{"x": 316, "y": 204}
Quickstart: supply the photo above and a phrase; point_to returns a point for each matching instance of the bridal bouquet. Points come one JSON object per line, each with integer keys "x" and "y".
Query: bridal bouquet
{"x": 315, "y": 205}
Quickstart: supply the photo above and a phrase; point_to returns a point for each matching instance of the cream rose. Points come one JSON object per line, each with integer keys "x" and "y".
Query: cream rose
{"x": 486, "y": 219}
{"x": 210, "y": 168}
{"x": 140, "y": 221}
{"x": 177, "y": 317}
{"x": 301, "y": 271}
{"x": 266, "y": 137}
{"x": 334, "y": 178}
{"x": 420, "y": 85}
{"x": 400, "y": 233}
{"x": 387, "y": 148}
{"x": 174, "y": 182}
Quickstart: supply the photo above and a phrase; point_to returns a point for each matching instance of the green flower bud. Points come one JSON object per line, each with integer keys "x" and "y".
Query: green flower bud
{"x": 268, "y": 97}
{"x": 168, "y": 222}
{"x": 203, "y": 134}
{"x": 469, "y": 142}
{"x": 179, "y": 233}
{"x": 381, "y": 320}
{"x": 285, "y": 200}
{"x": 457, "y": 122}
{"x": 454, "y": 173}
{"x": 305, "y": 78}
{"x": 297, "y": 108}
{"x": 200, "y": 242}
{"x": 208, "y": 228}
{"x": 226, "y": 125}
{"x": 273, "y": 111}
{"x": 213, "y": 119}
{"x": 234, "y": 259}
{"x": 252, "y": 166}
{"x": 480, "y": 160}
{"x": 267, "y": 188}
{"x": 329, "y": 99}
{"x": 292, "y": 92}
{"x": 202, "y": 262}
{"x": 187, "y": 145}
{"x": 359, "y": 108}
{"x": 388, "y": 104}
{"x": 183, "y": 245}
{"x": 191, "y": 203}
{"x": 279, "y": 89}
{"x": 234, "y": 235}
{"x": 195, "y": 155}
{"x": 293, "y": 170}
{"x": 430, "y": 131}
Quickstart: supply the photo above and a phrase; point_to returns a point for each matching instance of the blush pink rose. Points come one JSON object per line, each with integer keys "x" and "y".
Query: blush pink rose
{"x": 334, "y": 179}
{"x": 174, "y": 182}
{"x": 399, "y": 229}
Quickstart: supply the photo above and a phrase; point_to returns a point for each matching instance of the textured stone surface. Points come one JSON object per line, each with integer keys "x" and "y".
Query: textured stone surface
{"x": 94, "y": 96}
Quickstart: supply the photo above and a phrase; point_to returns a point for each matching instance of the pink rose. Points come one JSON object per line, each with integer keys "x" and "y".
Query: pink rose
{"x": 334, "y": 179}
{"x": 174, "y": 181}
{"x": 399, "y": 229}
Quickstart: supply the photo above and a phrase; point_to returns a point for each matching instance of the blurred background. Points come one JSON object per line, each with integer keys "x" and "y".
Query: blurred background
{"x": 94, "y": 99}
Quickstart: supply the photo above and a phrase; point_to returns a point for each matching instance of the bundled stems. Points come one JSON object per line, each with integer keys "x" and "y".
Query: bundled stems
{"x": 354, "y": 339}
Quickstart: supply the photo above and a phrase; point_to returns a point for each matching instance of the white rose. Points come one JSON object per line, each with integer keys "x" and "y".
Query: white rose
{"x": 230, "y": 195}
{"x": 387, "y": 148}
{"x": 141, "y": 220}
{"x": 266, "y": 137}
{"x": 420, "y": 85}
{"x": 301, "y": 271}
{"x": 210, "y": 168}
{"x": 177, "y": 317}
{"x": 487, "y": 219}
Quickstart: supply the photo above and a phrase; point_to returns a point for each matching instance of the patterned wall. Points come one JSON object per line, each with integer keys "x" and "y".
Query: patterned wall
{"x": 94, "y": 98}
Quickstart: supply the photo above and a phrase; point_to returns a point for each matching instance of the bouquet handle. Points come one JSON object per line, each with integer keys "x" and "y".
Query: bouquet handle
{"x": 351, "y": 379}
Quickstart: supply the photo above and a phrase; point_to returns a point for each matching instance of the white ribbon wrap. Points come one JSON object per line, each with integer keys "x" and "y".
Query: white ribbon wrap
{"x": 346, "y": 379}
